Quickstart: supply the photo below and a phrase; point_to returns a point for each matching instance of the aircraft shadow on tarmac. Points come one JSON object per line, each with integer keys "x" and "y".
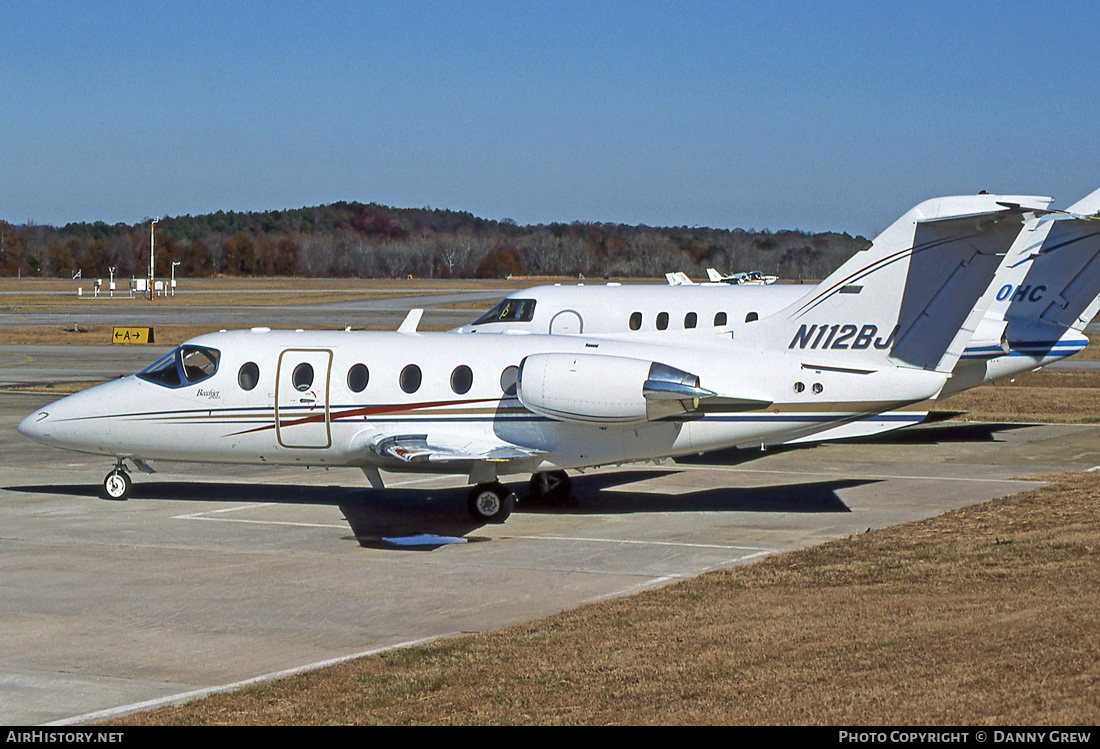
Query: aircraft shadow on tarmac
{"x": 425, "y": 519}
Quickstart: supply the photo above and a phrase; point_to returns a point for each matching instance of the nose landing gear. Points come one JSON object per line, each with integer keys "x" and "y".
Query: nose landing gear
{"x": 118, "y": 483}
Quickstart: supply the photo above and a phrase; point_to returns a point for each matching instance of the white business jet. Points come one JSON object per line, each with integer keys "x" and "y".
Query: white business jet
{"x": 872, "y": 338}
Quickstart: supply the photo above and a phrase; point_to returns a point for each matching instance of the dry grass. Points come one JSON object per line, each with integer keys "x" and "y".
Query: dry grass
{"x": 983, "y": 616}
{"x": 1048, "y": 396}
{"x": 32, "y": 295}
{"x": 165, "y": 335}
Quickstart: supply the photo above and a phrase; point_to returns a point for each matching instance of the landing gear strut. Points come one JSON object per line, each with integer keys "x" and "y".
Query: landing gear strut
{"x": 117, "y": 485}
{"x": 550, "y": 486}
{"x": 491, "y": 502}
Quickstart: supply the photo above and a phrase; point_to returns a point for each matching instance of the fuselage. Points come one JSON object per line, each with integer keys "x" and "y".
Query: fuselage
{"x": 666, "y": 312}
{"x": 330, "y": 398}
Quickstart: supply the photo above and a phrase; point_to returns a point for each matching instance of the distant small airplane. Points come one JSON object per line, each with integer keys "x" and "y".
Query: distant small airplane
{"x": 884, "y": 331}
{"x": 753, "y": 277}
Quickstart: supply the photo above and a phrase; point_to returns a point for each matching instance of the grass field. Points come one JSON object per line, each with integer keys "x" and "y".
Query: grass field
{"x": 30, "y": 294}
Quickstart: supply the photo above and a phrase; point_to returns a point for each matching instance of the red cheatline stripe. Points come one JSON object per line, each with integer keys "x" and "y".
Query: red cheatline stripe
{"x": 365, "y": 411}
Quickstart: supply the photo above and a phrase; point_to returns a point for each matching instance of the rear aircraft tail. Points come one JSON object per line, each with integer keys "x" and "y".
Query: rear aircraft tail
{"x": 679, "y": 278}
{"x": 912, "y": 298}
{"x": 1048, "y": 283}
{"x": 1064, "y": 279}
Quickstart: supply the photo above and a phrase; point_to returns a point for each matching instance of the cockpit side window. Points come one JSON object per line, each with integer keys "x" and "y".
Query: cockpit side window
{"x": 509, "y": 310}
{"x": 198, "y": 363}
{"x": 186, "y": 365}
{"x": 163, "y": 371}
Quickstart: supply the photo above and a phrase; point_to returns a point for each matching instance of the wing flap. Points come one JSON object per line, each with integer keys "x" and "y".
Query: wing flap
{"x": 416, "y": 448}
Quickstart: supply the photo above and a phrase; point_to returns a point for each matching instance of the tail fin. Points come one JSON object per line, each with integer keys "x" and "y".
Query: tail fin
{"x": 1068, "y": 265}
{"x": 679, "y": 278}
{"x": 1049, "y": 281}
{"x": 714, "y": 276}
{"x": 910, "y": 298}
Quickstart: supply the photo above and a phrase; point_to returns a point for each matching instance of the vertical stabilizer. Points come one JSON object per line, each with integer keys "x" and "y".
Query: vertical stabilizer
{"x": 912, "y": 298}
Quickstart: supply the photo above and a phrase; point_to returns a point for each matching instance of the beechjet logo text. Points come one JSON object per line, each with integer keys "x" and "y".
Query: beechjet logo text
{"x": 840, "y": 337}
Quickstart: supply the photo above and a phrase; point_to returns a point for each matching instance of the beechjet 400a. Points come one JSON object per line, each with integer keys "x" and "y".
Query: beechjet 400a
{"x": 885, "y": 330}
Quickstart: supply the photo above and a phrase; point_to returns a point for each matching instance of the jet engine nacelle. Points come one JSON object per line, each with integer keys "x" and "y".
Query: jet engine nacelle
{"x": 605, "y": 389}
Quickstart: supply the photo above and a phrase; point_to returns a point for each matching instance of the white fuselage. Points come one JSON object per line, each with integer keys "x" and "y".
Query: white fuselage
{"x": 285, "y": 419}
{"x": 659, "y": 312}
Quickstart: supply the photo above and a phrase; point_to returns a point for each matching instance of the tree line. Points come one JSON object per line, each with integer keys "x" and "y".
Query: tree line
{"x": 372, "y": 241}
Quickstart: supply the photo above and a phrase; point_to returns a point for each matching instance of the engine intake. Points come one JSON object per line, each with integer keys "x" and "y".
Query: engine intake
{"x": 592, "y": 388}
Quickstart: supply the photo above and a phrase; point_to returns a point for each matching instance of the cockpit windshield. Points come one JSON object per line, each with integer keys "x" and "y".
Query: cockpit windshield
{"x": 509, "y": 310}
{"x": 186, "y": 365}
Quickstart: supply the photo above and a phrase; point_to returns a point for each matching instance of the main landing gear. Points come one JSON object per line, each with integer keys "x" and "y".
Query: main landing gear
{"x": 118, "y": 484}
{"x": 551, "y": 487}
{"x": 491, "y": 502}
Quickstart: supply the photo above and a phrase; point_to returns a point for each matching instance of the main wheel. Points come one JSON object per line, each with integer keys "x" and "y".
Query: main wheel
{"x": 491, "y": 503}
{"x": 550, "y": 486}
{"x": 117, "y": 485}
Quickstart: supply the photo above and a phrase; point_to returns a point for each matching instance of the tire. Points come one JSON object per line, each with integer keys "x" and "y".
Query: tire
{"x": 117, "y": 485}
{"x": 552, "y": 487}
{"x": 491, "y": 503}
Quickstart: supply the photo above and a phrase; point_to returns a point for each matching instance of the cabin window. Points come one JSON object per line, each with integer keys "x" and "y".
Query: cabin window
{"x": 358, "y": 376}
{"x": 752, "y": 317}
{"x": 186, "y": 365}
{"x": 509, "y": 310}
{"x": 508, "y": 380}
{"x": 462, "y": 379}
{"x": 302, "y": 376}
{"x": 410, "y": 379}
{"x": 691, "y": 320}
{"x": 662, "y": 320}
{"x": 719, "y": 319}
{"x": 636, "y": 321}
{"x": 248, "y": 376}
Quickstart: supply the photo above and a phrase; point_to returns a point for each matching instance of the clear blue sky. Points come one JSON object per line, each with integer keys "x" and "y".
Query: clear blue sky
{"x": 814, "y": 115}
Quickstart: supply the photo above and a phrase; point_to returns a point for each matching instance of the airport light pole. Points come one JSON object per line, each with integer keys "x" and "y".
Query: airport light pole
{"x": 174, "y": 264}
{"x": 152, "y": 249}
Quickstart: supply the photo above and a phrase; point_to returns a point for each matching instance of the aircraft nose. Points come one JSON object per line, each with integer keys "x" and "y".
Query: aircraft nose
{"x": 36, "y": 426}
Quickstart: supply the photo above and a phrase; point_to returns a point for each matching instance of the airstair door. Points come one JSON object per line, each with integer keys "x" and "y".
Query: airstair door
{"x": 301, "y": 398}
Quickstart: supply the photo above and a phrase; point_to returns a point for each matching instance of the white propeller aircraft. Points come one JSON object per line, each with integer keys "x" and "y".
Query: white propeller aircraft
{"x": 885, "y": 330}
{"x": 1045, "y": 292}
{"x": 752, "y": 278}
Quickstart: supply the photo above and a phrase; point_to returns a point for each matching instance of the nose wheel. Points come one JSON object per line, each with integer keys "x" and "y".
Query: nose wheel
{"x": 118, "y": 484}
{"x": 491, "y": 503}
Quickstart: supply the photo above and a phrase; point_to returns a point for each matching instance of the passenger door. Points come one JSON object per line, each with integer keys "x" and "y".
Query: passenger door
{"x": 301, "y": 398}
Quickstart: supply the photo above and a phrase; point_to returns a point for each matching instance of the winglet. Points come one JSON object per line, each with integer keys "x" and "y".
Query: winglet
{"x": 411, "y": 321}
